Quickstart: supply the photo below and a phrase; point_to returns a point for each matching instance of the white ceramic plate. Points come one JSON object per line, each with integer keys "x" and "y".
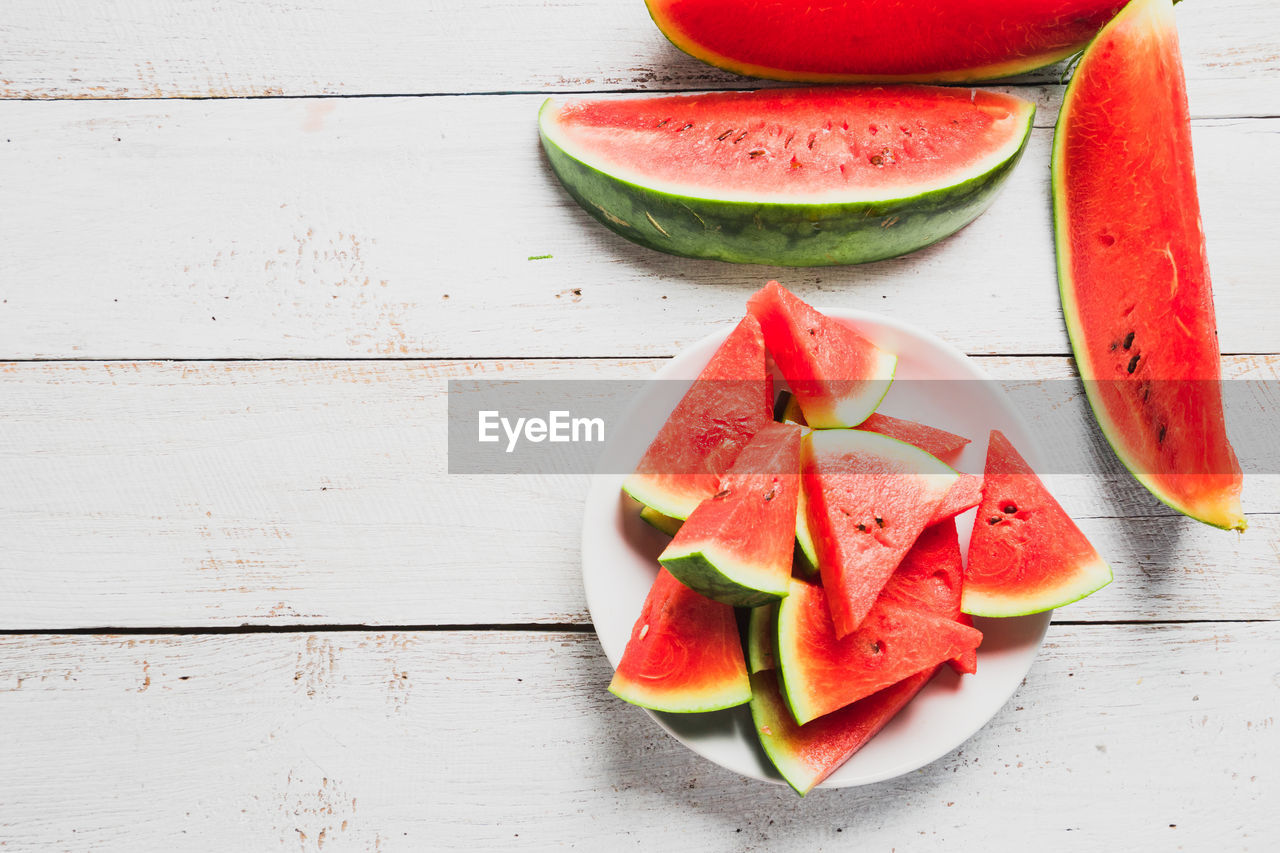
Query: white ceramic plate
{"x": 619, "y": 559}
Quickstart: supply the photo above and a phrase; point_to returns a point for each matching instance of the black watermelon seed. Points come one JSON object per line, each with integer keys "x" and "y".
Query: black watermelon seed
{"x": 1010, "y": 508}
{"x": 995, "y": 519}
{"x": 1133, "y": 363}
{"x": 1128, "y": 340}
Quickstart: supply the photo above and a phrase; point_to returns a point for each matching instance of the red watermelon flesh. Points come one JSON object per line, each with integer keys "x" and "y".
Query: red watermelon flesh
{"x": 1026, "y": 555}
{"x": 930, "y": 579}
{"x": 868, "y": 497}
{"x": 821, "y": 673}
{"x": 934, "y": 441}
{"x": 1133, "y": 269}
{"x": 726, "y": 405}
{"x": 736, "y": 546}
{"x": 951, "y": 41}
{"x": 964, "y": 494}
{"x": 684, "y": 654}
{"x": 806, "y": 755}
{"x": 838, "y": 376}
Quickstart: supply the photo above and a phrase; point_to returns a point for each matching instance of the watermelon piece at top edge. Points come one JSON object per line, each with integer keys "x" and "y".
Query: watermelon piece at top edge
{"x": 863, "y": 40}
{"x": 736, "y": 547}
{"x": 838, "y": 376}
{"x": 821, "y": 673}
{"x": 684, "y": 654}
{"x": 868, "y": 498}
{"x": 730, "y": 401}
{"x": 1026, "y": 555}
{"x": 1133, "y": 267}
{"x": 934, "y": 441}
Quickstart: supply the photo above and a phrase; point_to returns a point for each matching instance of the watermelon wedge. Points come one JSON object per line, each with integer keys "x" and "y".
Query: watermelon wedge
{"x": 800, "y": 177}
{"x": 955, "y": 41}
{"x": 684, "y": 654}
{"x": 837, "y": 376}
{"x": 806, "y": 755}
{"x": 821, "y": 673}
{"x": 869, "y": 497}
{"x": 658, "y": 521}
{"x": 736, "y": 546}
{"x": 964, "y": 494}
{"x": 934, "y": 441}
{"x": 930, "y": 579}
{"x": 1132, "y": 267}
{"x": 726, "y": 405}
{"x": 1026, "y": 555}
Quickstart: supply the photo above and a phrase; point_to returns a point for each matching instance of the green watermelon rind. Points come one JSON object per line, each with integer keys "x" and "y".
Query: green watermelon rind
{"x": 659, "y": 521}
{"x": 669, "y": 502}
{"x": 773, "y": 233}
{"x": 693, "y": 701}
{"x": 760, "y": 631}
{"x": 713, "y": 570}
{"x": 1085, "y": 579}
{"x": 1071, "y": 318}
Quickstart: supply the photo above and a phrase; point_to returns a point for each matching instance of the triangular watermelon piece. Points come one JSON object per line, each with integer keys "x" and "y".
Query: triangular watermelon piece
{"x": 805, "y": 755}
{"x": 762, "y": 628}
{"x": 1026, "y": 555}
{"x": 728, "y": 403}
{"x": 930, "y": 579}
{"x": 964, "y": 494}
{"x": 868, "y": 497}
{"x": 736, "y": 546}
{"x": 684, "y": 654}
{"x": 934, "y": 441}
{"x": 821, "y": 672}
{"x": 838, "y": 376}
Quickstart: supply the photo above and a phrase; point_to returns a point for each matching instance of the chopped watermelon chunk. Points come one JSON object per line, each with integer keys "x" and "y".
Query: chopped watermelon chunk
{"x": 838, "y": 376}
{"x": 1026, "y": 555}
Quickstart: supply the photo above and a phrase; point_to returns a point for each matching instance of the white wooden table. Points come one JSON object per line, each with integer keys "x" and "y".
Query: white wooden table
{"x": 245, "y": 245}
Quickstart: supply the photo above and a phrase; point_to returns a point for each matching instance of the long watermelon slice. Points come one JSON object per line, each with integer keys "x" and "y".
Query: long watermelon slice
{"x": 931, "y": 579}
{"x": 1132, "y": 266}
{"x": 726, "y": 405}
{"x": 762, "y": 627}
{"x": 684, "y": 654}
{"x": 1026, "y": 555}
{"x": 736, "y": 546}
{"x": 952, "y": 41}
{"x": 837, "y": 376}
{"x": 934, "y": 441}
{"x": 868, "y": 498}
{"x": 820, "y": 672}
{"x": 801, "y": 177}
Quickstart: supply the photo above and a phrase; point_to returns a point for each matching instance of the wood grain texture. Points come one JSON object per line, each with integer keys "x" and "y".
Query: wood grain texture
{"x": 216, "y": 494}
{"x": 433, "y": 228}
{"x": 1121, "y": 738}
{"x": 152, "y": 49}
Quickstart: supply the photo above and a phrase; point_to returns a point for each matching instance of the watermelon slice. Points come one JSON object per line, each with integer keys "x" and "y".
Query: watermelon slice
{"x": 964, "y": 494}
{"x": 684, "y": 654}
{"x": 955, "y": 41}
{"x": 930, "y": 579}
{"x": 801, "y": 177}
{"x": 806, "y": 755}
{"x": 934, "y": 441}
{"x": 821, "y": 673}
{"x": 726, "y": 405}
{"x": 838, "y": 376}
{"x": 1132, "y": 267}
{"x": 736, "y": 546}
{"x": 869, "y": 496}
{"x": 1026, "y": 555}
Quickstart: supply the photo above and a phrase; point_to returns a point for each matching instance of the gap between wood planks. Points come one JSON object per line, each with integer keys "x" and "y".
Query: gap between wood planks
{"x": 550, "y": 627}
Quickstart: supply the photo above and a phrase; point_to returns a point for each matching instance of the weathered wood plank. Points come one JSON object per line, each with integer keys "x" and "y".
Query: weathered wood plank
{"x": 213, "y": 494}
{"x": 147, "y": 49}
{"x": 1122, "y": 737}
{"x": 418, "y": 227}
